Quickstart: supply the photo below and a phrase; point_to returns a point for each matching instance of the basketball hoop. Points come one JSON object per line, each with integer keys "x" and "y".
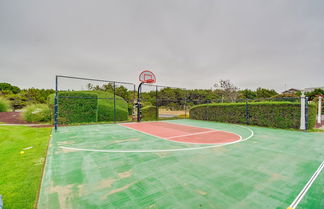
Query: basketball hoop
{"x": 147, "y": 77}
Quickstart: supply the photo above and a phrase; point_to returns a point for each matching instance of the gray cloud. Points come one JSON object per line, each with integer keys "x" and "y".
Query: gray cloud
{"x": 186, "y": 43}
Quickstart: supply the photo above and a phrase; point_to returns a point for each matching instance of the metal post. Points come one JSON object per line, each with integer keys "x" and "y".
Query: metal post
{"x": 247, "y": 111}
{"x": 56, "y": 104}
{"x": 156, "y": 104}
{"x": 185, "y": 105}
{"x": 206, "y": 112}
{"x": 306, "y": 113}
{"x": 134, "y": 93}
{"x": 139, "y": 115}
{"x": 114, "y": 101}
{"x": 302, "y": 112}
{"x": 133, "y": 103}
{"x": 319, "y": 113}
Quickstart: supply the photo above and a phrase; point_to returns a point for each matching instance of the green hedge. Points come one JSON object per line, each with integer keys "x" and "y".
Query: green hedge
{"x": 312, "y": 113}
{"x": 4, "y": 104}
{"x": 77, "y": 109}
{"x": 148, "y": 113}
{"x": 37, "y": 113}
{"x": 269, "y": 114}
{"x": 104, "y": 108}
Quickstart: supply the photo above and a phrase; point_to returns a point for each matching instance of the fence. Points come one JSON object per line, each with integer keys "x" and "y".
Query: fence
{"x": 87, "y": 100}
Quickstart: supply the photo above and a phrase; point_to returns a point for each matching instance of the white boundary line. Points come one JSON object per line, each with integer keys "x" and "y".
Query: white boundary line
{"x": 161, "y": 150}
{"x": 306, "y": 187}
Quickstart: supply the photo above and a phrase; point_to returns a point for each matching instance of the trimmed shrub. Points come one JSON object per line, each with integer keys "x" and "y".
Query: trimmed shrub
{"x": 105, "y": 105}
{"x": 148, "y": 113}
{"x": 77, "y": 107}
{"x": 4, "y": 104}
{"x": 37, "y": 113}
{"x": 312, "y": 112}
{"x": 224, "y": 112}
{"x": 269, "y": 114}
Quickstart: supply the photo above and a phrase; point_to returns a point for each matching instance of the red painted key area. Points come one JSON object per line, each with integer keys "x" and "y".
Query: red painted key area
{"x": 183, "y": 133}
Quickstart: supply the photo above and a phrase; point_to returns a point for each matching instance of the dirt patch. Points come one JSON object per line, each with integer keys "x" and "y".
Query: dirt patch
{"x": 273, "y": 178}
{"x": 106, "y": 183}
{"x": 202, "y": 192}
{"x": 125, "y": 140}
{"x": 152, "y": 206}
{"x": 66, "y": 142}
{"x": 12, "y": 118}
{"x": 63, "y": 150}
{"x": 220, "y": 149}
{"x": 117, "y": 190}
{"x": 63, "y": 192}
{"x": 125, "y": 174}
{"x": 162, "y": 154}
{"x": 85, "y": 190}
{"x": 16, "y": 118}
{"x": 103, "y": 184}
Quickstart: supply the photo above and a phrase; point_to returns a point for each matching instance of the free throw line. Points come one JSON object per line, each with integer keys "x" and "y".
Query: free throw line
{"x": 191, "y": 134}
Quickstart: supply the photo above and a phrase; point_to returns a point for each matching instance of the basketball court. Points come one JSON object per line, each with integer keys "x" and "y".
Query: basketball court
{"x": 182, "y": 164}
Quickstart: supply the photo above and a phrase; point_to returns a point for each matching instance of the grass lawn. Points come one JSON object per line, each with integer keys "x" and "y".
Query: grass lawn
{"x": 20, "y": 174}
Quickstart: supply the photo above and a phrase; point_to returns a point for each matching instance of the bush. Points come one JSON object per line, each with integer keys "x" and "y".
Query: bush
{"x": 269, "y": 114}
{"x": 224, "y": 112}
{"x": 37, "y": 113}
{"x": 9, "y": 87}
{"x": 77, "y": 107}
{"x": 4, "y": 105}
{"x": 148, "y": 113}
{"x": 105, "y": 106}
{"x": 17, "y": 101}
{"x": 312, "y": 112}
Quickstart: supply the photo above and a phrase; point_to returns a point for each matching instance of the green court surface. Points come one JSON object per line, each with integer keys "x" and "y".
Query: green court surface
{"x": 111, "y": 166}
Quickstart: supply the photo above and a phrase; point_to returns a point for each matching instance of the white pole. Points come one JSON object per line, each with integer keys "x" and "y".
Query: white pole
{"x": 319, "y": 114}
{"x": 302, "y": 112}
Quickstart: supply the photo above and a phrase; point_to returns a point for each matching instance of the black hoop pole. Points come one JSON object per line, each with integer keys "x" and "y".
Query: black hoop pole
{"x": 139, "y": 115}
{"x": 185, "y": 105}
{"x": 156, "y": 104}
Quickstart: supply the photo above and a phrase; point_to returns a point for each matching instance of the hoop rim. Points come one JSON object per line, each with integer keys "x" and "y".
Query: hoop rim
{"x": 150, "y": 80}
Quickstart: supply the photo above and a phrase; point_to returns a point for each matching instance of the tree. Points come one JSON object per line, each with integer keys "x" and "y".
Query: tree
{"x": 18, "y": 101}
{"x": 122, "y": 92}
{"x": 104, "y": 87}
{"x": 248, "y": 94}
{"x": 230, "y": 91}
{"x": 265, "y": 93}
{"x": 7, "y": 86}
{"x": 312, "y": 94}
{"x": 36, "y": 95}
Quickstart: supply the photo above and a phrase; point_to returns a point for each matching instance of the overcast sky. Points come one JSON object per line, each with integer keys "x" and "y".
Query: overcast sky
{"x": 187, "y": 43}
